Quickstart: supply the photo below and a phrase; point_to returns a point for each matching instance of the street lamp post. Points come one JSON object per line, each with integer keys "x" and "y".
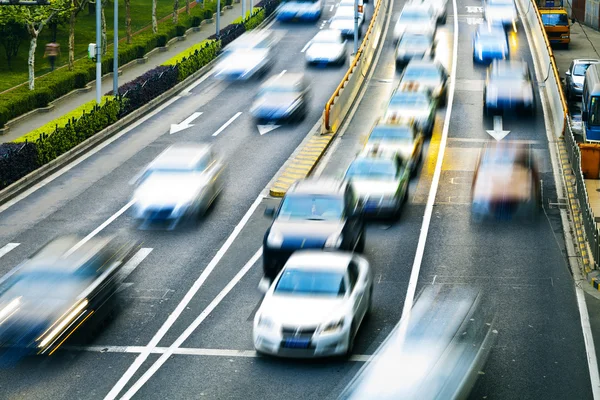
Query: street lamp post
{"x": 243, "y": 9}
{"x": 355, "y": 26}
{"x": 218, "y": 17}
{"x": 116, "y": 50}
{"x": 98, "y": 51}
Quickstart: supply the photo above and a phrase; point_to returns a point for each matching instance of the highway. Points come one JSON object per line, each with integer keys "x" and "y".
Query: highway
{"x": 183, "y": 328}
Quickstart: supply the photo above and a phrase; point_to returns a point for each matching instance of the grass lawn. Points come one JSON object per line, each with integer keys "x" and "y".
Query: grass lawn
{"x": 85, "y": 33}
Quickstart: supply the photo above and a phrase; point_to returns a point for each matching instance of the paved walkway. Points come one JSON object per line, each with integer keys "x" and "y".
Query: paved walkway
{"x": 75, "y": 100}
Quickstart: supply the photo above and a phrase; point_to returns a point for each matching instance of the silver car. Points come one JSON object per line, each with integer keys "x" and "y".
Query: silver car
{"x": 575, "y": 76}
{"x": 416, "y": 107}
{"x": 427, "y": 75}
{"x": 327, "y": 47}
{"x": 248, "y": 56}
{"x": 414, "y": 46}
{"x": 283, "y": 97}
{"x": 343, "y": 20}
{"x": 182, "y": 182}
{"x": 415, "y": 18}
{"x": 501, "y": 11}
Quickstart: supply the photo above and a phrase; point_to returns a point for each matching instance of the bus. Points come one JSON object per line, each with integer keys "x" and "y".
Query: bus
{"x": 300, "y": 10}
{"x": 590, "y": 104}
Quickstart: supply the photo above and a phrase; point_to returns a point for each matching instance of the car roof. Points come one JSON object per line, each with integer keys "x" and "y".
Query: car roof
{"x": 586, "y": 61}
{"x": 414, "y": 63}
{"x": 180, "y": 156}
{"x": 417, "y": 6}
{"x": 500, "y": 65}
{"x": 319, "y": 260}
{"x": 328, "y": 33}
{"x": 322, "y": 186}
{"x": 287, "y": 79}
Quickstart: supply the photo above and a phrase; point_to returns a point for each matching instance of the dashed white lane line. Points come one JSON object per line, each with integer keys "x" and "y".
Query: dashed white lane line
{"x": 186, "y": 351}
{"x": 332, "y": 7}
{"x": 141, "y": 358}
{"x": 281, "y": 73}
{"x": 226, "y": 124}
{"x": 192, "y": 327}
{"x": 135, "y": 261}
{"x": 305, "y": 47}
{"x": 8, "y": 248}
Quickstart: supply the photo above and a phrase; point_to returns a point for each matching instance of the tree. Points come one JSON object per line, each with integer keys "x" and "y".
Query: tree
{"x": 187, "y": 7}
{"x": 75, "y": 9}
{"x": 103, "y": 18}
{"x": 154, "y": 20}
{"x": 12, "y": 34}
{"x": 128, "y": 20}
{"x": 175, "y": 12}
{"x": 35, "y": 18}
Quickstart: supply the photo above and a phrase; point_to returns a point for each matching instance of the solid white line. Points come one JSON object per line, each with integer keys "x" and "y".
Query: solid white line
{"x": 100, "y": 228}
{"x": 416, "y": 268}
{"x": 8, "y": 248}
{"x": 85, "y": 156}
{"x": 134, "y": 261}
{"x": 184, "y": 302}
{"x": 305, "y": 47}
{"x": 190, "y": 329}
{"x": 332, "y": 7}
{"x": 281, "y": 73}
{"x": 226, "y": 124}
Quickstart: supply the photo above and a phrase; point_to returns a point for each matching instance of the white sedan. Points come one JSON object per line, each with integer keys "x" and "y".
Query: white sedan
{"x": 328, "y": 46}
{"x": 315, "y": 305}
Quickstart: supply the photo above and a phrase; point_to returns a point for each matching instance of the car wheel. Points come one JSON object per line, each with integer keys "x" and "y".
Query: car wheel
{"x": 351, "y": 335}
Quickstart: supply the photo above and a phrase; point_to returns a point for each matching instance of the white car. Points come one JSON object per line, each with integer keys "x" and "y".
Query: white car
{"x": 183, "y": 181}
{"x": 501, "y": 11}
{"x": 350, "y": 3}
{"x": 328, "y": 46}
{"x": 414, "y": 46}
{"x": 440, "y": 9}
{"x": 315, "y": 305}
{"x": 343, "y": 20}
{"x": 244, "y": 64}
{"x": 415, "y": 18}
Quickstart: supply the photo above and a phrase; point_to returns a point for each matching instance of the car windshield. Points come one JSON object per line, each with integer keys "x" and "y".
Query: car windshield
{"x": 508, "y": 71}
{"x": 311, "y": 283}
{"x": 391, "y": 134}
{"x": 328, "y": 39}
{"x": 372, "y": 169}
{"x": 580, "y": 69}
{"x": 421, "y": 72}
{"x": 47, "y": 283}
{"x": 405, "y": 100}
{"x": 594, "y": 115}
{"x": 491, "y": 40}
{"x": 555, "y": 19}
{"x": 311, "y": 207}
{"x": 415, "y": 40}
{"x": 278, "y": 89}
{"x": 412, "y": 16}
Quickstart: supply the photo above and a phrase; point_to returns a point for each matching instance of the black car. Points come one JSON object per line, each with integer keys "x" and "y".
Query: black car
{"x": 314, "y": 214}
{"x": 67, "y": 285}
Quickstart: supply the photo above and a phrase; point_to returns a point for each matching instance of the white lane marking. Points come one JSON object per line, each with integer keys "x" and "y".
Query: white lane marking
{"x": 416, "y": 268}
{"x": 187, "y": 123}
{"x": 190, "y": 329}
{"x": 134, "y": 261}
{"x": 332, "y": 7}
{"x": 281, "y": 73}
{"x": 305, "y": 47}
{"x": 100, "y": 228}
{"x": 226, "y": 124}
{"x": 588, "y": 337}
{"x": 191, "y": 351}
{"x": 8, "y": 248}
{"x": 114, "y": 392}
{"x": 85, "y": 156}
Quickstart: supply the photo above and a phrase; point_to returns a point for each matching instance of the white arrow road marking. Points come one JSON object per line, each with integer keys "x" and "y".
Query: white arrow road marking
{"x": 185, "y": 124}
{"x": 226, "y": 124}
{"x": 8, "y": 248}
{"x": 498, "y": 133}
{"x": 471, "y": 9}
{"x": 262, "y": 129}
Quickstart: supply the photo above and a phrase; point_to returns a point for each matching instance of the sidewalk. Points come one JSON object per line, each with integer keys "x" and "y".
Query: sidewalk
{"x": 74, "y": 100}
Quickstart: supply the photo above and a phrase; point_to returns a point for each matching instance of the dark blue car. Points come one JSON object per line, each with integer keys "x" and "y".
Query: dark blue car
{"x": 489, "y": 43}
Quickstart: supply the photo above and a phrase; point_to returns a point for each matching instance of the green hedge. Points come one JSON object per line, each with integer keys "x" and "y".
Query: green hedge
{"x": 258, "y": 16}
{"x": 61, "y": 122}
{"x": 186, "y": 53}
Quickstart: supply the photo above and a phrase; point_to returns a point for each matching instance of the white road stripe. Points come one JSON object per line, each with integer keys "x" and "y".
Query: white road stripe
{"x": 8, "y": 248}
{"x": 281, "y": 73}
{"x": 100, "y": 228}
{"x": 226, "y": 124}
{"x": 332, "y": 7}
{"x": 134, "y": 261}
{"x": 186, "y": 351}
{"x": 190, "y": 329}
{"x": 184, "y": 302}
{"x": 305, "y": 47}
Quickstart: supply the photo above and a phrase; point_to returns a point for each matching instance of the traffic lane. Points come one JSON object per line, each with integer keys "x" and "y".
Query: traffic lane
{"x": 65, "y": 375}
{"x": 540, "y": 350}
{"x": 214, "y": 377}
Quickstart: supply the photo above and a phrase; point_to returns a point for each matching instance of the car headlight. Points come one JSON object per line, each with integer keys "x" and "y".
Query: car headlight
{"x": 333, "y": 327}
{"x": 334, "y": 240}
{"x": 275, "y": 239}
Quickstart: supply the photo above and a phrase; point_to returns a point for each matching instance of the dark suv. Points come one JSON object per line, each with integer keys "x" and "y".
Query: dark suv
{"x": 314, "y": 214}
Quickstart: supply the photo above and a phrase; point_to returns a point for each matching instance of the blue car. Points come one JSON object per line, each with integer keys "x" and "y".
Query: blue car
{"x": 298, "y": 10}
{"x": 489, "y": 44}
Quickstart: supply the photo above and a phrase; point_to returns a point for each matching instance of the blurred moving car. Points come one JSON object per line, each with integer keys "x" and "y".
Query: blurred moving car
{"x": 182, "y": 182}
{"x": 247, "y": 57}
{"x": 508, "y": 87}
{"x": 56, "y": 291}
{"x": 415, "y": 18}
{"x": 575, "y": 76}
{"x": 350, "y": 3}
{"x": 314, "y": 214}
{"x": 300, "y": 10}
{"x": 414, "y": 46}
{"x": 506, "y": 182}
{"x": 343, "y": 21}
{"x": 501, "y": 11}
{"x": 315, "y": 306}
{"x": 402, "y": 139}
{"x": 327, "y": 47}
{"x": 416, "y": 107}
{"x": 426, "y": 75}
{"x": 380, "y": 179}
{"x": 489, "y": 44}
{"x": 440, "y": 9}
{"x": 283, "y": 97}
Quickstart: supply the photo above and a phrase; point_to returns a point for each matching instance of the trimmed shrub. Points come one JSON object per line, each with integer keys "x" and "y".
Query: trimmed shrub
{"x": 257, "y": 17}
{"x": 198, "y": 59}
{"x": 208, "y": 14}
{"x": 268, "y": 5}
{"x": 196, "y": 21}
{"x": 16, "y": 161}
{"x": 180, "y": 30}
{"x": 188, "y": 52}
{"x": 146, "y": 87}
{"x": 229, "y": 34}
{"x": 61, "y": 122}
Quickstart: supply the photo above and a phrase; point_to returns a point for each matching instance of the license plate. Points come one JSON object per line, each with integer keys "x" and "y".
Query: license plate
{"x": 297, "y": 343}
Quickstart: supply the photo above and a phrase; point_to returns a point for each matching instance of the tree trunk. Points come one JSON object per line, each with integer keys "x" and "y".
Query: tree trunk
{"x": 31, "y": 59}
{"x": 154, "y": 20}
{"x": 187, "y": 7}
{"x": 128, "y": 20}
{"x": 103, "y": 31}
{"x": 72, "y": 37}
{"x": 175, "y": 11}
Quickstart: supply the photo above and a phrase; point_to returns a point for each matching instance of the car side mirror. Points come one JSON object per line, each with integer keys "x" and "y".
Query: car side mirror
{"x": 568, "y": 73}
{"x": 270, "y": 211}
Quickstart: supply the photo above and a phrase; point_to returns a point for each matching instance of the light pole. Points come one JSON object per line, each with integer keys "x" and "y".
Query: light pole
{"x": 355, "y": 26}
{"x": 116, "y": 50}
{"x": 243, "y": 9}
{"x": 218, "y": 17}
{"x": 98, "y": 51}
